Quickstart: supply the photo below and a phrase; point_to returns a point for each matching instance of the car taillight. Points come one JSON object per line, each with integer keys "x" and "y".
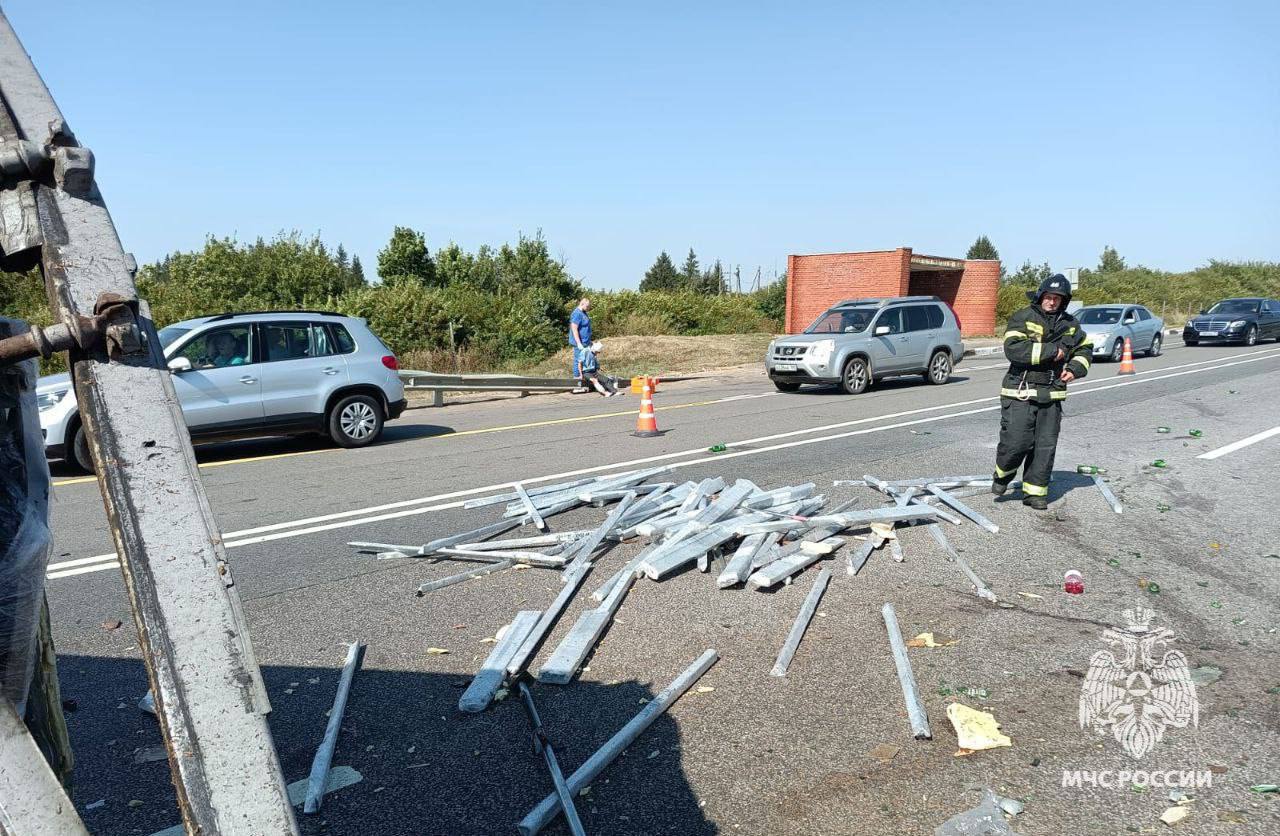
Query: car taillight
{"x": 391, "y": 362}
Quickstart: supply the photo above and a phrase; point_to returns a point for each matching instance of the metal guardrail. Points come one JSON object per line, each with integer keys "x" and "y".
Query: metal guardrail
{"x": 441, "y": 383}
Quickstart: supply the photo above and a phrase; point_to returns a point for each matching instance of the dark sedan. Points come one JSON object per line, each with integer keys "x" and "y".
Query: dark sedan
{"x": 1235, "y": 320}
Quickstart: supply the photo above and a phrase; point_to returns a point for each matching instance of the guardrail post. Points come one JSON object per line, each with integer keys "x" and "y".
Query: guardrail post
{"x": 437, "y": 397}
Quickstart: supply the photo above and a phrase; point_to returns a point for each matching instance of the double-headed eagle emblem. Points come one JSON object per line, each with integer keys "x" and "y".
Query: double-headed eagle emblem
{"x": 1140, "y": 694}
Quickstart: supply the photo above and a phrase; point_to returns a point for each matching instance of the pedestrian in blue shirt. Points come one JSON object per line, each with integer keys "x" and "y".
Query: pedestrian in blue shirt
{"x": 579, "y": 337}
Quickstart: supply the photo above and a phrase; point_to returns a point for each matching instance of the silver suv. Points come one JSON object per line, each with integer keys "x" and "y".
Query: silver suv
{"x": 862, "y": 340}
{"x": 256, "y": 374}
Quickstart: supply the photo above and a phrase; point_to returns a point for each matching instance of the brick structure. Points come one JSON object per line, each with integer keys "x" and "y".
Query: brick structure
{"x": 816, "y": 282}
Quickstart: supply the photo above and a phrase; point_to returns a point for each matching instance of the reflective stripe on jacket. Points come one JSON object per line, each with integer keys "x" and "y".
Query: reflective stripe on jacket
{"x": 1031, "y": 343}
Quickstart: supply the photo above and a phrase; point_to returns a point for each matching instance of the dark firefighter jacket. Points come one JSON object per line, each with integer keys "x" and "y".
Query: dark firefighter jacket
{"x": 1031, "y": 343}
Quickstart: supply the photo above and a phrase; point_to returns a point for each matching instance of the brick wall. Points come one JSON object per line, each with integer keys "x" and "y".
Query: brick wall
{"x": 975, "y": 304}
{"x": 816, "y": 282}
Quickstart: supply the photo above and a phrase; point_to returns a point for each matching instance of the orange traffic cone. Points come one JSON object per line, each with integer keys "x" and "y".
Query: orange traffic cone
{"x": 1126, "y": 362}
{"x": 646, "y": 421}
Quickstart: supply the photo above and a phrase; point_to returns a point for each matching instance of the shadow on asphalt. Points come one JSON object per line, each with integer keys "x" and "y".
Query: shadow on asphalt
{"x": 1061, "y": 483}
{"x": 427, "y": 768}
{"x": 889, "y": 384}
{"x": 218, "y": 451}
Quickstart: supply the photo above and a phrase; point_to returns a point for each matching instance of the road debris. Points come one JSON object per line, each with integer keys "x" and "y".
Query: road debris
{"x": 1108, "y": 495}
{"x": 1173, "y": 815}
{"x": 542, "y": 745}
{"x": 987, "y": 819}
{"x": 546, "y": 811}
{"x": 975, "y": 730}
{"x": 927, "y": 640}
{"x": 807, "y": 609}
{"x": 323, "y": 759}
{"x": 493, "y": 671}
{"x": 915, "y": 708}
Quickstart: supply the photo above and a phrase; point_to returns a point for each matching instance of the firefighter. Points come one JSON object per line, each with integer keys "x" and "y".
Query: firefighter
{"x": 1047, "y": 349}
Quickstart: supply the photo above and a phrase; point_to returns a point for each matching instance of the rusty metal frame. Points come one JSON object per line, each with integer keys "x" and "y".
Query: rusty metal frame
{"x": 208, "y": 691}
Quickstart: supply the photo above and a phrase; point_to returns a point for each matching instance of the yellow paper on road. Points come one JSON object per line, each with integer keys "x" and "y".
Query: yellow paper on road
{"x": 927, "y": 640}
{"x": 975, "y": 729}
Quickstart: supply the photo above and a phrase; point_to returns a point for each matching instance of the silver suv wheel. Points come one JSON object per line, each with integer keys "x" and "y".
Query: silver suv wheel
{"x": 355, "y": 421}
{"x": 358, "y": 420}
{"x": 939, "y": 368}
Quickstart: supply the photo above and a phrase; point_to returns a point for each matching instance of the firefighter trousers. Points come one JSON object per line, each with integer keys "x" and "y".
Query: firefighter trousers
{"x": 1028, "y": 439}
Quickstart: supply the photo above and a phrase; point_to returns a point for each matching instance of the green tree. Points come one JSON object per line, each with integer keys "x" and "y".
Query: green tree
{"x": 1030, "y": 275}
{"x": 357, "y": 271}
{"x": 406, "y": 258}
{"x": 691, "y": 273}
{"x": 1110, "y": 260}
{"x": 712, "y": 281}
{"x": 771, "y": 300}
{"x": 983, "y": 248}
{"x": 662, "y": 276}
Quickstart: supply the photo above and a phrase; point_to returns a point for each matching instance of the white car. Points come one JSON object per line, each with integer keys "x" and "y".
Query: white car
{"x": 256, "y": 374}
{"x": 1108, "y": 325}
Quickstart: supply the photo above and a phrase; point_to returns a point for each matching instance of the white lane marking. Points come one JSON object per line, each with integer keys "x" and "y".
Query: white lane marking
{"x": 108, "y": 561}
{"x": 1239, "y": 445}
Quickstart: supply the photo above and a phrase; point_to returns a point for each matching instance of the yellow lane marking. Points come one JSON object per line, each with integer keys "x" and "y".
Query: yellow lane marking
{"x": 550, "y": 422}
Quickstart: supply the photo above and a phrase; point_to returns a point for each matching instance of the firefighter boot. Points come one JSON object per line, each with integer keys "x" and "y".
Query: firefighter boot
{"x": 1039, "y": 503}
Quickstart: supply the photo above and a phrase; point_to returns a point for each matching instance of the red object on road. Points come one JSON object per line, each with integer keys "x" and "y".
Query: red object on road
{"x": 1073, "y": 583}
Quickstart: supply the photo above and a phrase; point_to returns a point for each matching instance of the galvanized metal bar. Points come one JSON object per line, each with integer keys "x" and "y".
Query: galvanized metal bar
{"x": 679, "y": 552}
{"x": 764, "y": 499}
{"x": 906, "y": 496}
{"x": 915, "y": 708}
{"x": 551, "y": 539}
{"x": 960, "y": 507}
{"x": 194, "y": 641}
{"x": 493, "y": 671}
{"x": 858, "y": 557}
{"x": 564, "y": 662}
{"x": 498, "y": 499}
{"x": 946, "y": 481}
{"x": 793, "y": 558}
{"x": 478, "y": 572}
{"x": 543, "y": 744}
{"x": 546, "y": 811}
{"x": 32, "y": 802}
{"x": 724, "y": 504}
{"x": 738, "y": 569}
{"x": 600, "y": 498}
{"x": 807, "y": 609}
{"x": 980, "y": 587}
{"x": 585, "y": 549}
{"x": 1108, "y": 495}
{"x": 515, "y": 556}
{"x": 324, "y": 755}
{"x": 632, "y": 568}
{"x": 524, "y": 654}
{"x": 531, "y": 508}
{"x": 484, "y": 532}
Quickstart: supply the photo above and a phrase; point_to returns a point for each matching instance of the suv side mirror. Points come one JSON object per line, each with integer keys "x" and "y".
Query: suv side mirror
{"x": 881, "y": 330}
{"x": 179, "y": 364}
{"x": 1129, "y": 320}
{"x": 1203, "y": 311}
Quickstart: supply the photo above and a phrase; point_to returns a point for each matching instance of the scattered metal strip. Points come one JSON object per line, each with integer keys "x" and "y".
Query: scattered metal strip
{"x": 498, "y": 499}
{"x": 568, "y": 656}
{"x": 584, "y": 550}
{"x": 478, "y": 572}
{"x": 960, "y": 507}
{"x": 739, "y": 567}
{"x": 515, "y": 556}
{"x": 324, "y": 755}
{"x": 493, "y": 671}
{"x": 1108, "y": 495}
{"x": 531, "y": 508}
{"x": 792, "y": 558}
{"x": 858, "y": 557}
{"x": 807, "y": 609}
{"x": 542, "y": 744}
{"x": 980, "y": 587}
{"x": 484, "y": 532}
{"x": 545, "y": 812}
{"x": 915, "y": 708}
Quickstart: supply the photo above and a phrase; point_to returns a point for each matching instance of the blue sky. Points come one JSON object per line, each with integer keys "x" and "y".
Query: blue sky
{"x": 745, "y": 131}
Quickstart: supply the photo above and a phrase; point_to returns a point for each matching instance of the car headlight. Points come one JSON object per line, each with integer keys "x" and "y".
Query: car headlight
{"x": 1239, "y": 323}
{"x": 821, "y": 351}
{"x": 1101, "y": 337}
{"x": 48, "y": 400}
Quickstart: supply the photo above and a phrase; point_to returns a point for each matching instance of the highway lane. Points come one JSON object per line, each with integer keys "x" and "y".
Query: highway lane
{"x": 542, "y": 437}
{"x": 769, "y": 756}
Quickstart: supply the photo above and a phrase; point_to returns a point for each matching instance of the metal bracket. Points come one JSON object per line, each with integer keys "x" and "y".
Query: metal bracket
{"x": 114, "y": 325}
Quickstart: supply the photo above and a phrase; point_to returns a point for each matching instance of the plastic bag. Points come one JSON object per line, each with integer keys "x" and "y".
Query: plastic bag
{"x": 24, "y": 523}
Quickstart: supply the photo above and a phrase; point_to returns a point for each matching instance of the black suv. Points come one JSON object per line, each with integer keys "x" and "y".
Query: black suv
{"x": 1235, "y": 320}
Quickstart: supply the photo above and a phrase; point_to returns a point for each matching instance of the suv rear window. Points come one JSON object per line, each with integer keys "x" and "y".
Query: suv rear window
{"x": 917, "y": 317}
{"x": 936, "y": 317}
{"x": 287, "y": 341}
{"x": 1144, "y": 314}
{"x": 342, "y": 336}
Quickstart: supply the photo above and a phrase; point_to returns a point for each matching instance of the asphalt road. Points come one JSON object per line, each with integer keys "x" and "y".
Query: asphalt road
{"x": 756, "y": 754}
